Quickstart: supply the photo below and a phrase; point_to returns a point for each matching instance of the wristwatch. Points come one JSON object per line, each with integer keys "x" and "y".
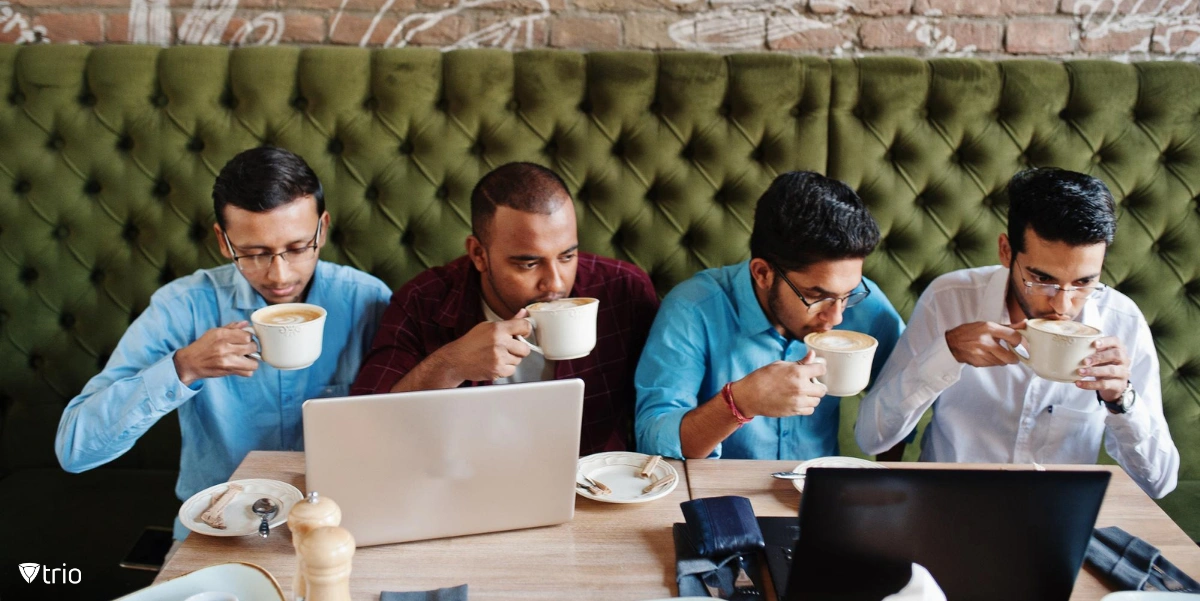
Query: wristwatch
{"x": 1123, "y": 403}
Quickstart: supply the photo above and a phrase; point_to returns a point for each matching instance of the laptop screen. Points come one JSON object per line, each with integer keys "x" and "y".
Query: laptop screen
{"x": 981, "y": 534}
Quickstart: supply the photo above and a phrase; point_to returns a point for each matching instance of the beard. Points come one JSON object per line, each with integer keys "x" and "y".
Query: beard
{"x": 774, "y": 305}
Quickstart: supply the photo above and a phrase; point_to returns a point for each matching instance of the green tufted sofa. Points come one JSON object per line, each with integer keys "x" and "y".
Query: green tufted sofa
{"x": 108, "y": 155}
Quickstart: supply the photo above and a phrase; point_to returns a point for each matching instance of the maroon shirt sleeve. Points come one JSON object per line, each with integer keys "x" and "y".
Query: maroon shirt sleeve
{"x": 397, "y": 348}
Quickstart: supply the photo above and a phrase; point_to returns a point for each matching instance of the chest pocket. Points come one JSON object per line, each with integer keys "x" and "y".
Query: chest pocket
{"x": 1070, "y": 435}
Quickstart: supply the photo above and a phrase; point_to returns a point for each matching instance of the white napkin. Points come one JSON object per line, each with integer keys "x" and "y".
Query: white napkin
{"x": 920, "y": 588}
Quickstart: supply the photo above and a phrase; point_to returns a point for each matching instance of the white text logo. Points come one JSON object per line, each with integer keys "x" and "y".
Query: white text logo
{"x": 62, "y": 575}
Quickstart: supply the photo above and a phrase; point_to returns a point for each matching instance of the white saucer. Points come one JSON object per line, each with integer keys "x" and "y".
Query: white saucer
{"x": 239, "y": 520}
{"x": 618, "y": 470}
{"x": 245, "y": 581}
{"x": 831, "y": 462}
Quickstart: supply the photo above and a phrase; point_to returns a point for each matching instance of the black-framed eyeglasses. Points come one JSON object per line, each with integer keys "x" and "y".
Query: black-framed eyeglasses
{"x": 262, "y": 261}
{"x": 1052, "y": 290}
{"x": 860, "y": 293}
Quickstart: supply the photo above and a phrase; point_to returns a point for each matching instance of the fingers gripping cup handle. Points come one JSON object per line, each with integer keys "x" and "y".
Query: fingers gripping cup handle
{"x": 532, "y": 326}
{"x": 254, "y": 337}
{"x": 1022, "y": 357}
{"x": 819, "y": 379}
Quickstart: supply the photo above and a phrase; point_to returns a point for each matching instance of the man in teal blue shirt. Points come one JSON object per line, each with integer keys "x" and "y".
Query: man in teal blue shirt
{"x": 725, "y": 372}
{"x": 187, "y": 350}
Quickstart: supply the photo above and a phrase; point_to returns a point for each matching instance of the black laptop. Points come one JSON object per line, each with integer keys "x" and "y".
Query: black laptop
{"x": 986, "y": 535}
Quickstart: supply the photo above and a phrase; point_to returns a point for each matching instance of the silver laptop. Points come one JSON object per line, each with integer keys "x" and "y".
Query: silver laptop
{"x": 432, "y": 464}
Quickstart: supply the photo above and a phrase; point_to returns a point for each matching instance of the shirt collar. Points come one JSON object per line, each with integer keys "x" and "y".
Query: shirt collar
{"x": 751, "y": 319}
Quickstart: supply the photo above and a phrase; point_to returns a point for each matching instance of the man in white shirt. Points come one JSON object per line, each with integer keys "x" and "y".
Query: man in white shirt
{"x": 956, "y": 357}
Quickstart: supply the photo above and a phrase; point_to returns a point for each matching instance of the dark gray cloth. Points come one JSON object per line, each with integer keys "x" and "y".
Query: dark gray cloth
{"x": 455, "y": 593}
{"x": 1132, "y": 564}
{"x": 692, "y": 572}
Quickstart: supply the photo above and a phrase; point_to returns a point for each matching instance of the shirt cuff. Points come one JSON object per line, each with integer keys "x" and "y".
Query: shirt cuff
{"x": 664, "y": 438}
{"x": 163, "y": 386}
{"x": 1134, "y": 423}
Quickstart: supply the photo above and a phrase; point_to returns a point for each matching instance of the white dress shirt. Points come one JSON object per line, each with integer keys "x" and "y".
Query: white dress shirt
{"x": 1005, "y": 414}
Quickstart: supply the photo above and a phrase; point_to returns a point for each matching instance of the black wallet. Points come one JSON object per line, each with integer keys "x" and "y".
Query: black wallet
{"x": 719, "y": 527}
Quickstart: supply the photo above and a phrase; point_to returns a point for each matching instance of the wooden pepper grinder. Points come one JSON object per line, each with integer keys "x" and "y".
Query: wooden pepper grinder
{"x": 327, "y": 552}
{"x": 314, "y": 512}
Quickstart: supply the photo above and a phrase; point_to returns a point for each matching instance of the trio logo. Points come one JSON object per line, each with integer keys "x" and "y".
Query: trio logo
{"x": 29, "y": 571}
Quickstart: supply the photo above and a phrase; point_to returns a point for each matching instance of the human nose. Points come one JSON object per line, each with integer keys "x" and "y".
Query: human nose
{"x": 553, "y": 281}
{"x": 1062, "y": 300}
{"x": 832, "y": 312}
{"x": 279, "y": 269}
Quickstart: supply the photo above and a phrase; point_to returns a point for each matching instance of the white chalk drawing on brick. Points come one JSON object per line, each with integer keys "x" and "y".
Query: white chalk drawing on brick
{"x": 1166, "y": 24}
{"x": 511, "y": 34}
{"x": 206, "y": 23}
{"x": 11, "y": 20}
{"x": 748, "y": 24}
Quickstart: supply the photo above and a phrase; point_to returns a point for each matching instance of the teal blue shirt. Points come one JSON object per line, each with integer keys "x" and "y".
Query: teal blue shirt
{"x": 711, "y": 330}
{"x": 221, "y": 419}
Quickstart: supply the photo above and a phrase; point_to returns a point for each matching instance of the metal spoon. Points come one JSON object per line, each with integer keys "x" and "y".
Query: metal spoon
{"x": 266, "y": 509}
{"x": 789, "y": 475}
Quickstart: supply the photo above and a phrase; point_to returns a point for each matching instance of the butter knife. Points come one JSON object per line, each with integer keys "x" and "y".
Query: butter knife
{"x": 789, "y": 475}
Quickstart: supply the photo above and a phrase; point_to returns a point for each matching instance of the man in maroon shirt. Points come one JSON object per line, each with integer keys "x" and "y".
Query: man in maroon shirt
{"x": 455, "y": 325}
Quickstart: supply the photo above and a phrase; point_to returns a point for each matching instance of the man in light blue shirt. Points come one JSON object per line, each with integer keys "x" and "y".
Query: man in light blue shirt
{"x": 187, "y": 350}
{"x": 725, "y": 372}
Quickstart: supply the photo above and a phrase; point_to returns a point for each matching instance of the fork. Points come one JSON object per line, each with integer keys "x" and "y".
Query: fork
{"x": 1170, "y": 582}
{"x": 743, "y": 584}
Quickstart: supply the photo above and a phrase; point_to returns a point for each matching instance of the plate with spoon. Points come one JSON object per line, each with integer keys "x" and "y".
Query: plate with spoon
{"x": 244, "y": 512}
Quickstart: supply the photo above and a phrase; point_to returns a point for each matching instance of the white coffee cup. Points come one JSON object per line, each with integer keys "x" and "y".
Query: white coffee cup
{"x": 1056, "y": 349}
{"x": 847, "y": 357}
{"x": 565, "y": 328}
{"x": 289, "y": 334}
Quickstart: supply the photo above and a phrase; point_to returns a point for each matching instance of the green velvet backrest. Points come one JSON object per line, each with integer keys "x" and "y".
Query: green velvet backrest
{"x": 107, "y": 158}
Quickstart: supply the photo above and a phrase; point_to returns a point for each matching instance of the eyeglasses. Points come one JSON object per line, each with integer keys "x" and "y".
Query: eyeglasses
{"x": 262, "y": 261}
{"x": 1052, "y": 290}
{"x": 822, "y": 304}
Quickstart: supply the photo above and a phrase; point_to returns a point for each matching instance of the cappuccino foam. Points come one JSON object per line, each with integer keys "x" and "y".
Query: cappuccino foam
{"x": 289, "y": 316}
{"x": 1068, "y": 328}
{"x": 560, "y": 304}
{"x": 836, "y": 340}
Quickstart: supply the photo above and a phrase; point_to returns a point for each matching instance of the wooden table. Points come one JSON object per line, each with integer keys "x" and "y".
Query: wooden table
{"x": 1125, "y": 505}
{"x": 609, "y": 551}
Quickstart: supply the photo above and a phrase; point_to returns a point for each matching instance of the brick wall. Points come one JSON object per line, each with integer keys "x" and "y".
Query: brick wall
{"x": 1120, "y": 29}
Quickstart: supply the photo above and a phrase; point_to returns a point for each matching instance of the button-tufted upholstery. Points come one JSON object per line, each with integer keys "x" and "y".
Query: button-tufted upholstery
{"x": 108, "y": 155}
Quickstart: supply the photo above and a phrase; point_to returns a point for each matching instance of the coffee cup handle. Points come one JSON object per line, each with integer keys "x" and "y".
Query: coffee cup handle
{"x": 821, "y": 360}
{"x": 254, "y": 337}
{"x": 1023, "y": 358}
{"x": 533, "y": 346}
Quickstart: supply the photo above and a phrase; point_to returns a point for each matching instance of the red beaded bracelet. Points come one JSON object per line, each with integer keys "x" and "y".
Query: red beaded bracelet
{"x": 727, "y": 392}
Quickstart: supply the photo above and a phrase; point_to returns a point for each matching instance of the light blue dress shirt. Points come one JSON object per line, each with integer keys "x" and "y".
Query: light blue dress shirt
{"x": 711, "y": 330}
{"x": 221, "y": 419}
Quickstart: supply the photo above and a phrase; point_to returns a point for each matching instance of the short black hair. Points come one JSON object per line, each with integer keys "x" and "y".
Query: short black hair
{"x": 805, "y": 218}
{"x": 526, "y": 187}
{"x": 262, "y": 179}
{"x": 1060, "y": 206}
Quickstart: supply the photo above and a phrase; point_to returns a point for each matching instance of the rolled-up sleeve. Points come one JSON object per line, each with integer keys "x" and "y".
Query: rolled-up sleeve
{"x": 669, "y": 376}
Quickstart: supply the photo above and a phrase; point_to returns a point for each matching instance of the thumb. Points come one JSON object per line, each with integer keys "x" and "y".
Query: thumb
{"x": 237, "y": 325}
{"x": 809, "y": 358}
{"x": 1020, "y": 325}
{"x": 523, "y": 313}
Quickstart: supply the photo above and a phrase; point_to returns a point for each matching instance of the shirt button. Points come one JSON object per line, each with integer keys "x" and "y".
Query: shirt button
{"x": 170, "y": 393}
